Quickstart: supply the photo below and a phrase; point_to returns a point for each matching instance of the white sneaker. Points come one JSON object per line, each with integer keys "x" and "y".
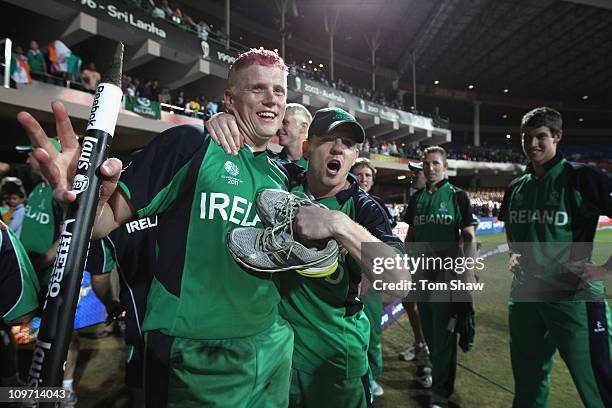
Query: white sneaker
{"x": 376, "y": 389}
{"x": 416, "y": 351}
{"x": 425, "y": 381}
{"x": 438, "y": 402}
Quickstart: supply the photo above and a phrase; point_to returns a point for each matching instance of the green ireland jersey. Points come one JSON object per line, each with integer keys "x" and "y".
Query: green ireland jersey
{"x": 562, "y": 206}
{"x": 36, "y": 61}
{"x": 439, "y": 216}
{"x": 302, "y": 161}
{"x": 331, "y": 330}
{"x": 41, "y": 225}
{"x": 200, "y": 194}
{"x": 18, "y": 282}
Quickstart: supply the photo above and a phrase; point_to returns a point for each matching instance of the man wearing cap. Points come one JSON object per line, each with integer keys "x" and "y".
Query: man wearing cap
{"x": 417, "y": 178}
{"x": 42, "y": 219}
{"x": 330, "y": 363}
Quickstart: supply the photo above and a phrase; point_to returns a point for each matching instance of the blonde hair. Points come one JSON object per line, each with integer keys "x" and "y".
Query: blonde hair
{"x": 435, "y": 149}
{"x": 299, "y": 111}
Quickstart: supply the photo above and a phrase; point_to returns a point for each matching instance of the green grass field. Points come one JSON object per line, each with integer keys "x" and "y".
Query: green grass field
{"x": 484, "y": 376}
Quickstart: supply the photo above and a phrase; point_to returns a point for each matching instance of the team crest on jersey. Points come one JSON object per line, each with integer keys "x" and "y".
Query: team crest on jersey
{"x": 42, "y": 204}
{"x": 419, "y": 206}
{"x": 231, "y": 168}
{"x": 443, "y": 207}
{"x": 233, "y": 171}
{"x": 553, "y": 199}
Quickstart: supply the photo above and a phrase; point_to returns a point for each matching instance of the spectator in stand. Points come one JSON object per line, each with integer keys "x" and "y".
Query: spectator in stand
{"x": 73, "y": 67}
{"x": 180, "y": 99}
{"x": 188, "y": 21}
{"x": 36, "y": 61}
{"x": 375, "y": 147}
{"x": 203, "y": 29}
{"x": 125, "y": 83}
{"x": 144, "y": 90}
{"x": 90, "y": 77}
{"x": 165, "y": 6}
{"x": 164, "y": 96}
{"x": 155, "y": 90}
{"x": 148, "y": 6}
{"x": 393, "y": 149}
{"x": 203, "y": 102}
{"x": 14, "y": 196}
{"x": 384, "y": 148}
{"x": 394, "y": 212}
{"x": 58, "y": 56}
{"x": 177, "y": 17}
{"x": 192, "y": 108}
{"x": 158, "y": 12}
{"x": 365, "y": 148}
{"x": 212, "y": 107}
{"x": 132, "y": 89}
{"x": 20, "y": 70}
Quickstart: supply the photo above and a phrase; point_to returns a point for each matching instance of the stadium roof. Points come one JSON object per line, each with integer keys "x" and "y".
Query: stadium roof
{"x": 548, "y": 49}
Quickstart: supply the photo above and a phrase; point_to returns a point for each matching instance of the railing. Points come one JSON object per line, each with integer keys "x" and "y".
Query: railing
{"x": 8, "y": 45}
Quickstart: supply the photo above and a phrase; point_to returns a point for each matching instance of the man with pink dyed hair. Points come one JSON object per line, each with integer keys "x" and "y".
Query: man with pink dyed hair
{"x": 212, "y": 329}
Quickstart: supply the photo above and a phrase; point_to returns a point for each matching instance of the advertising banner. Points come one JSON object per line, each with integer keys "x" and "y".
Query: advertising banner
{"x": 144, "y": 107}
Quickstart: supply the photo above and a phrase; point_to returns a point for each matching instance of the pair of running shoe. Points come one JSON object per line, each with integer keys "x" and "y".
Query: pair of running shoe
{"x": 274, "y": 248}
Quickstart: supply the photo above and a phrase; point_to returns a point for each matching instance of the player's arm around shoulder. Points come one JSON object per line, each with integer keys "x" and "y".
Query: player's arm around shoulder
{"x": 148, "y": 175}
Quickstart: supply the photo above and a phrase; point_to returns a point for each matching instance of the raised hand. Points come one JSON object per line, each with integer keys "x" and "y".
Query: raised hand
{"x": 59, "y": 168}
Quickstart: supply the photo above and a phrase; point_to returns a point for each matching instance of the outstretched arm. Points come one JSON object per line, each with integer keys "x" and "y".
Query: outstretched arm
{"x": 59, "y": 168}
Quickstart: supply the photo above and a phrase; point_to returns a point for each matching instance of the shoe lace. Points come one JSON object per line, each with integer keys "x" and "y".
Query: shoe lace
{"x": 271, "y": 242}
{"x": 285, "y": 209}
{"x": 285, "y": 213}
